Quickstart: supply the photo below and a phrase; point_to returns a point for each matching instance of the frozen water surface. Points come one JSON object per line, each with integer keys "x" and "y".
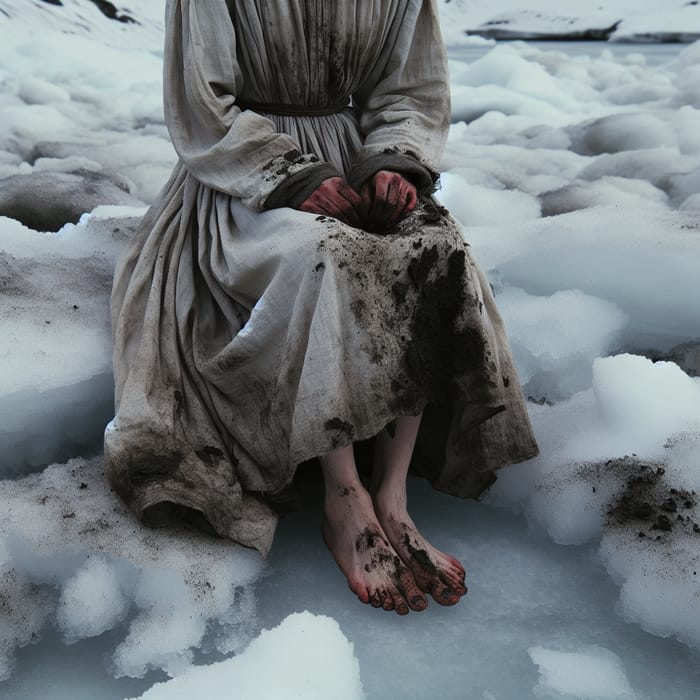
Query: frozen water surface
{"x": 525, "y": 593}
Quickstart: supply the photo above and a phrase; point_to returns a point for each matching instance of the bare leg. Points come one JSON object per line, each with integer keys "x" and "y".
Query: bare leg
{"x": 358, "y": 543}
{"x": 435, "y": 572}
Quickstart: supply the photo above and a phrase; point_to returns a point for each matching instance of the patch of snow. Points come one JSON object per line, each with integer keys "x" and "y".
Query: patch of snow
{"x": 71, "y": 552}
{"x": 305, "y": 656}
{"x": 56, "y": 392}
{"x": 620, "y": 462}
{"x": 616, "y": 20}
{"x": 556, "y": 338}
{"x": 590, "y": 674}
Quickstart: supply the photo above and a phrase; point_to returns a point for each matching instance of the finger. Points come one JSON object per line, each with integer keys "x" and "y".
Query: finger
{"x": 354, "y": 207}
{"x": 394, "y": 191}
{"x": 410, "y": 198}
{"x": 349, "y": 194}
{"x": 408, "y": 204}
{"x": 311, "y": 207}
{"x": 338, "y": 200}
{"x": 380, "y": 211}
{"x": 345, "y": 213}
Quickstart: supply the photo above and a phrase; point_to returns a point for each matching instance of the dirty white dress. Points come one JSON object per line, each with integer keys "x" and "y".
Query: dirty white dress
{"x": 250, "y": 336}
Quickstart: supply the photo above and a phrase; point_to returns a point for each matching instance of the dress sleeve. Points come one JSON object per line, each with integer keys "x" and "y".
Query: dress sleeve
{"x": 405, "y": 105}
{"x": 232, "y": 150}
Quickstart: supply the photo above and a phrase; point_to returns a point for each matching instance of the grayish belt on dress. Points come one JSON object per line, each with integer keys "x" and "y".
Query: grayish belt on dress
{"x": 287, "y": 110}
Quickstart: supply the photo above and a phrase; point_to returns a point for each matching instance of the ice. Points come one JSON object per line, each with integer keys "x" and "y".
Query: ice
{"x": 71, "y": 552}
{"x": 55, "y": 345}
{"x": 623, "y": 132}
{"x": 505, "y": 81}
{"x": 608, "y": 191}
{"x": 576, "y": 179}
{"x": 612, "y": 253}
{"x": 617, "y": 20}
{"x": 658, "y": 584}
{"x": 91, "y": 18}
{"x": 683, "y": 24}
{"x": 91, "y": 601}
{"x": 524, "y": 592}
{"x": 305, "y": 656}
{"x": 477, "y": 205}
{"x": 644, "y": 403}
{"x": 46, "y": 201}
{"x": 100, "y": 102}
{"x": 590, "y": 674}
{"x": 620, "y": 462}
{"x": 556, "y": 338}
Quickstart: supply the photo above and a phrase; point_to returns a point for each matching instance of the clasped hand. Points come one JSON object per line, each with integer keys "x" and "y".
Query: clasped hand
{"x": 381, "y": 202}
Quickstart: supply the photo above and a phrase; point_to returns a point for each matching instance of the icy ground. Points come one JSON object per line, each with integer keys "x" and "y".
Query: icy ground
{"x": 577, "y": 180}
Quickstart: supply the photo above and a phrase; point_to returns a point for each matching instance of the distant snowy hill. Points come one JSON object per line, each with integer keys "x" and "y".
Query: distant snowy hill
{"x": 139, "y": 25}
{"x": 617, "y": 20}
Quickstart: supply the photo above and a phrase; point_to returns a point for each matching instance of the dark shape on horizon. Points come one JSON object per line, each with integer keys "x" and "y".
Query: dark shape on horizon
{"x": 105, "y": 7}
{"x": 498, "y": 29}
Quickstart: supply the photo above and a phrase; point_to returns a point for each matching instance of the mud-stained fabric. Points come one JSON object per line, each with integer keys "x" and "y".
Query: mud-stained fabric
{"x": 251, "y": 337}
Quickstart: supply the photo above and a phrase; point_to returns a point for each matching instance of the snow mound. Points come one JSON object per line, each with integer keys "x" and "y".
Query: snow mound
{"x": 306, "y": 656}
{"x": 95, "y": 115}
{"x": 682, "y": 24}
{"x": 642, "y": 260}
{"x": 589, "y": 674}
{"x": 556, "y": 338}
{"x": 614, "y": 20}
{"x": 533, "y": 25}
{"x": 73, "y": 556}
{"x": 135, "y": 26}
{"x": 644, "y": 505}
{"x": 56, "y": 392}
{"x": 46, "y": 201}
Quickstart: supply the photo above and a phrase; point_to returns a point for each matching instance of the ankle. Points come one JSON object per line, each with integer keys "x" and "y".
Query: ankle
{"x": 344, "y": 494}
{"x": 390, "y": 498}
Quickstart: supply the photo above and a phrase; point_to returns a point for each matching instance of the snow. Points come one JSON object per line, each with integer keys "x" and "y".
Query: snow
{"x": 576, "y": 176}
{"x": 313, "y": 661}
{"x": 556, "y": 338}
{"x": 70, "y": 551}
{"x": 52, "y": 407}
{"x": 635, "y": 433}
{"x": 615, "y": 20}
{"x": 591, "y": 674}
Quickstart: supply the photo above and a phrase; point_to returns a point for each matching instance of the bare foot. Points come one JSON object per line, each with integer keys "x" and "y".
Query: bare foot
{"x": 360, "y": 547}
{"x": 434, "y": 571}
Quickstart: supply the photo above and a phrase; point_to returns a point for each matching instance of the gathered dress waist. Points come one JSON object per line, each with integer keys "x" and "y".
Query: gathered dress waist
{"x": 290, "y": 110}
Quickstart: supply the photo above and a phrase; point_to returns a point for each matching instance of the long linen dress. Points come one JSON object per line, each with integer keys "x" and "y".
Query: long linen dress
{"x": 250, "y": 336}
